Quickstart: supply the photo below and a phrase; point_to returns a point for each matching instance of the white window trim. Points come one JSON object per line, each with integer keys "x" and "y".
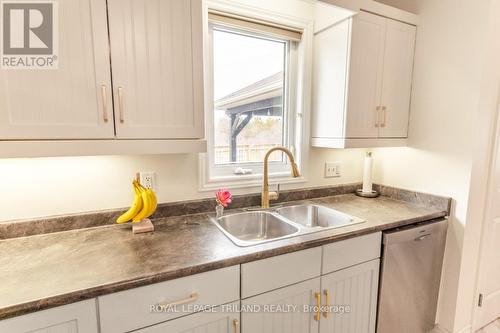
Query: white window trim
{"x": 302, "y": 102}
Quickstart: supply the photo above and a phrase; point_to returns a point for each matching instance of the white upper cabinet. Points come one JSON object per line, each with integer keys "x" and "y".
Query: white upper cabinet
{"x": 154, "y": 104}
{"x": 397, "y": 79}
{"x": 157, "y": 62}
{"x": 362, "y": 82}
{"x": 73, "y": 101}
{"x": 365, "y": 75}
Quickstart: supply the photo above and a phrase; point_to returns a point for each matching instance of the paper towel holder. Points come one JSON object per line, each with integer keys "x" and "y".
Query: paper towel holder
{"x": 367, "y": 191}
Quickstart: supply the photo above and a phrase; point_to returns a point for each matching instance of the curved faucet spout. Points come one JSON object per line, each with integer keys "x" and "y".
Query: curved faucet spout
{"x": 266, "y": 195}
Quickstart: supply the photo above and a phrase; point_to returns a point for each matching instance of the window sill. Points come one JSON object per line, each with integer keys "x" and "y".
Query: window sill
{"x": 249, "y": 181}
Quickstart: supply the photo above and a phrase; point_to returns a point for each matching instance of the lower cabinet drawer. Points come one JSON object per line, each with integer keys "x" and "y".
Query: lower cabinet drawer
{"x": 75, "y": 317}
{"x": 144, "y": 306}
{"x": 225, "y": 319}
{"x": 267, "y": 274}
{"x": 350, "y": 252}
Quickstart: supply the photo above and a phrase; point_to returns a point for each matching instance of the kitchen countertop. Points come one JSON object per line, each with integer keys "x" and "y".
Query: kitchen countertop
{"x": 43, "y": 271}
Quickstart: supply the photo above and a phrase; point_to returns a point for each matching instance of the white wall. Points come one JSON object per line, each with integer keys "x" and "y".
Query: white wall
{"x": 485, "y": 135}
{"x": 445, "y": 99}
{"x": 53, "y": 186}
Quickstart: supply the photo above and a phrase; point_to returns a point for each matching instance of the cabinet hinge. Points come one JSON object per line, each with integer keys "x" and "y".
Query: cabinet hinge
{"x": 480, "y": 300}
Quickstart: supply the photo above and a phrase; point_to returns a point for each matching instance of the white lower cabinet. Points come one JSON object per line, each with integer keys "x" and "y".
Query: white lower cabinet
{"x": 328, "y": 289}
{"x": 78, "y": 317}
{"x": 260, "y": 276}
{"x": 137, "y": 308}
{"x": 348, "y": 300}
{"x": 341, "y": 296}
{"x": 351, "y": 295}
{"x": 283, "y": 310}
{"x": 221, "y": 320}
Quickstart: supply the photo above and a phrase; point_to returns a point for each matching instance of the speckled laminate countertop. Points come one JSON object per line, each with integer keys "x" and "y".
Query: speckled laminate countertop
{"x": 44, "y": 271}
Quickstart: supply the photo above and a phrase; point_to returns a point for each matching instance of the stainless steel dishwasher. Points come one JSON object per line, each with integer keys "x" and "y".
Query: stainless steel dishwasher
{"x": 410, "y": 277}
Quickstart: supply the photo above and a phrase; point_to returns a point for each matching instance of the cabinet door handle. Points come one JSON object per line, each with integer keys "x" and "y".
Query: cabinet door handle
{"x": 384, "y": 112}
{"x": 191, "y": 298}
{"x": 317, "y": 316}
{"x": 327, "y": 303}
{"x": 104, "y": 99}
{"x": 120, "y": 103}
{"x": 377, "y": 113}
{"x": 236, "y": 325}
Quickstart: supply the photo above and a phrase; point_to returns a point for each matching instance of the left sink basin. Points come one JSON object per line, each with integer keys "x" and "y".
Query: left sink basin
{"x": 251, "y": 228}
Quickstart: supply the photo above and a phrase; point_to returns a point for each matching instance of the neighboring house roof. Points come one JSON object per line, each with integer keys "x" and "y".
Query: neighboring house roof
{"x": 268, "y": 87}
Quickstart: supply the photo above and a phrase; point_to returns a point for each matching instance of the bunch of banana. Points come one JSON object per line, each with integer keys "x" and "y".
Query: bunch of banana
{"x": 143, "y": 206}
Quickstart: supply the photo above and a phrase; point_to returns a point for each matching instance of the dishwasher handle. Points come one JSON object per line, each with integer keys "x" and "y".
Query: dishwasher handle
{"x": 416, "y": 233}
{"x": 421, "y": 238}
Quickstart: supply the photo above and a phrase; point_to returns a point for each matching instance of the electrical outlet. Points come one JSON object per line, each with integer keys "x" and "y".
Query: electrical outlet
{"x": 332, "y": 170}
{"x": 147, "y": 179}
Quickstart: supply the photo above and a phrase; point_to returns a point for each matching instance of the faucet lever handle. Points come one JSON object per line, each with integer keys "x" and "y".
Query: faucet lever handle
{"x": 273, "y": 195}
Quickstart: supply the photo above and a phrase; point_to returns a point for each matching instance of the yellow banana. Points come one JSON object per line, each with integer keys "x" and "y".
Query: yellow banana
{"x": 154, "y": 203}
{"x": 135, "y": 208}
{"x": 147, "y": 204}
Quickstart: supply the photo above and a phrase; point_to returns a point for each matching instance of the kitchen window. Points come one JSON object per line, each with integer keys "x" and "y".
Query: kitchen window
{"x": 253, "y": 75}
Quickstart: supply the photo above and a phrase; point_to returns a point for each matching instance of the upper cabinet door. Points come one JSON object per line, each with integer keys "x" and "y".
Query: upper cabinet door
{"x": 397, "y": 79}
{"x": 72, "y": 101}
{"x": 365, "y": 75}
{"x": 157, "y": 61}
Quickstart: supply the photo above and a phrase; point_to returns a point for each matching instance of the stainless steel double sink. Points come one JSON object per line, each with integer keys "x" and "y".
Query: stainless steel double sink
{"x": 256, "y": 227}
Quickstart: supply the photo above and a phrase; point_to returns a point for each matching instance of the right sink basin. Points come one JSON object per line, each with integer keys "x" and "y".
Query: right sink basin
{"x": 316, "y": 216}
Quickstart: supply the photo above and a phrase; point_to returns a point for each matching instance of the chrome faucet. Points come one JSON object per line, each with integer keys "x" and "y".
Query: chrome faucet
{"x": 266, "y": 195}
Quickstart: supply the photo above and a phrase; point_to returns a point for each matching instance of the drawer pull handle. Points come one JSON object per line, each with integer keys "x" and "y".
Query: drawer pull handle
{"x": 104, "y": 97}
{"x": 317, "y": 316}
{"x": 384, "y": 110}
{"x": 192, "y": 298}
{"x": 377, "y": 114}
{"x": 236, "y": 325}
{"x": 120, "y": 104}
{"x": 327, "y": 303}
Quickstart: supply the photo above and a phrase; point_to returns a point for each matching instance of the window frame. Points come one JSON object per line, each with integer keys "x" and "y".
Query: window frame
{"x": 297, "y": 68}
{"x": 225, "y": 171}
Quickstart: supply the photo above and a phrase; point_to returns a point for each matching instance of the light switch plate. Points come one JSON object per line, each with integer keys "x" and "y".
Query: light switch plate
{"x": 332, "y": 170}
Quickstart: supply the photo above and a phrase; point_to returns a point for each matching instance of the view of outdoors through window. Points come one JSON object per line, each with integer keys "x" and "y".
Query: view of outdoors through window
{"x": 248, "y": 97}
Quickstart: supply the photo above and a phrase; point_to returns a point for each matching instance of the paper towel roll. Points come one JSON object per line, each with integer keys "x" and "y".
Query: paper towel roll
{"x": 368, "y": 173}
